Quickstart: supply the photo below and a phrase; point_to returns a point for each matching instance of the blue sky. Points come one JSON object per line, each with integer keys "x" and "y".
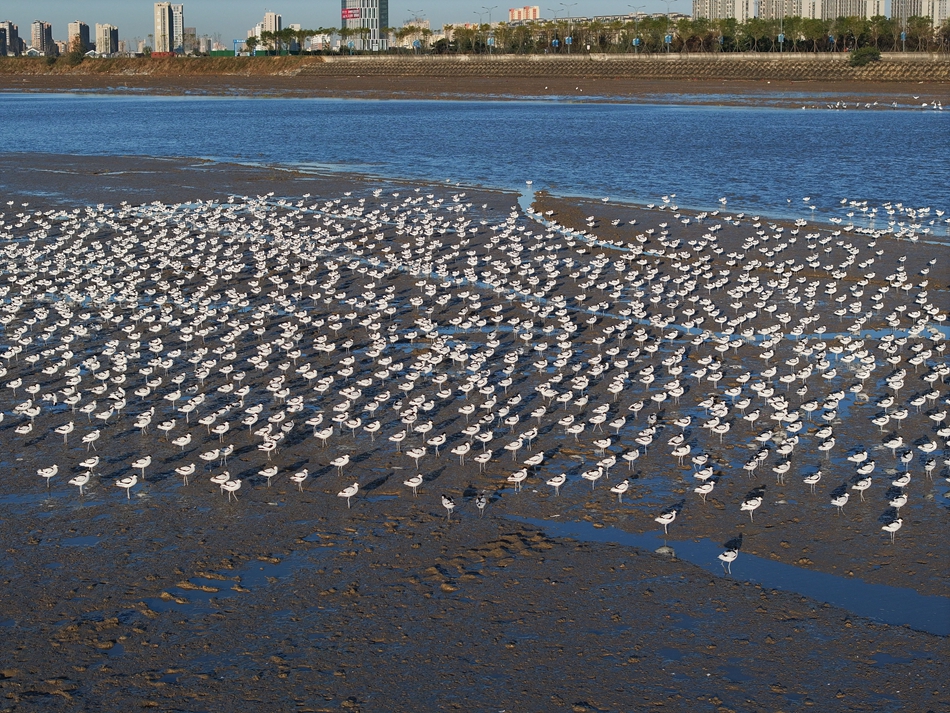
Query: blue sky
{"x": 232, "y": 18}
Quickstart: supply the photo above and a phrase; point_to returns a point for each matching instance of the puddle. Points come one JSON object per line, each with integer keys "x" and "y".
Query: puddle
{"x": 891, "y": 605}
{"x": 86, "y": 541}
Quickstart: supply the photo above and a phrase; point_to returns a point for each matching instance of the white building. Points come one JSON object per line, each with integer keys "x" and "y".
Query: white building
{"x": 41, "y": 36}
{"x": 935, "y": 9}
{"x": 178, "y": 25}
{"x": 107, "y": 39}
{"x": 272, "y": 22}
{"x": 164, "y": 28}
{"x": 524, "y": 14}
{"x": 370, "y": 16}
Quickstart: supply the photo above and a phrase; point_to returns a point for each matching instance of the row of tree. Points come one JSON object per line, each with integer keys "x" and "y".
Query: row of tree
{"x": 659, "y": 34}
{"x": 647, "y": 35}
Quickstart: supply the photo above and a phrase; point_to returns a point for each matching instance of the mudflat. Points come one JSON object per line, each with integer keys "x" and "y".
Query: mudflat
{"x": 720, "y": 92}
{"x": 178, "y": 596}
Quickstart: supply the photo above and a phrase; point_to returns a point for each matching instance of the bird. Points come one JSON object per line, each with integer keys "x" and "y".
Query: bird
{"x": 727, "y": 558}
{"x": 556, "y": 482}
{"x": 142, "y": 464}
{"x": 705, "y": 489}
{"x": 48, "y": 473}
{"x": 268, "y": 473}
{"x": 840, "y": 501}
{"x": 480, "y": 502}
{"x": 65, "y": 430}
{"x": 620, "y": 489}
{"x": 518, "y": 477}
{"x": 184, "y": 471}
{"x": 127, "y": 483}
{"x": 231, "y": 487}
{"x": 299, "y": 477}
{"x": 861, "y": 486}
{"x": 80, "y": 481}
{"x": 449, "y": 505}
{"x": 665, "y": 519}
{"x": 898, "y": 502}
{"x": 812, "y": 480}
{"x": 893, "y": 527}
{"x": 348, "y": 493}
{"x": 413, "y": 482}
{"x": 340, "y": 462}
{"x": 750, "y": 505}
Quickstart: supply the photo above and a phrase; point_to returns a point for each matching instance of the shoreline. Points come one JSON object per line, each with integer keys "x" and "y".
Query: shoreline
{"x": 726, "y": 92}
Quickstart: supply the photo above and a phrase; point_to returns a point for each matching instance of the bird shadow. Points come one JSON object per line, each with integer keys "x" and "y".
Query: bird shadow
{"x": 757, "y": 492}
{"x": 840, "y": 490}
{"x": 734, "y": 544}
{"x": 374, "y": 484}
{"x": 888, "y": 516}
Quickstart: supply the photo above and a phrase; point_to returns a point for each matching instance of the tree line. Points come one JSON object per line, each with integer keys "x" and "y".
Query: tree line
{"x": 660, "y": 34}
{"x": 642, "y": 35}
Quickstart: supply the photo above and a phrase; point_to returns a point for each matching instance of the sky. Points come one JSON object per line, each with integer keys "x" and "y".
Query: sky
{"x": 233, "y": 18}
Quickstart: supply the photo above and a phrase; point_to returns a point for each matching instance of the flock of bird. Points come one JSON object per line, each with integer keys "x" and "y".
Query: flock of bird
{"x": 306, "y": 338}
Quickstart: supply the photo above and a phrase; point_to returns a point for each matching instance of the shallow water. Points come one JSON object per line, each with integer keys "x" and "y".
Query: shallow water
{"x": 892, "y": 605}
{"x": 758, "y": 159}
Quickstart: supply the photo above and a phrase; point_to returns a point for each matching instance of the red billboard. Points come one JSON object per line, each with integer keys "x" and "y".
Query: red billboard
{"x": 351, "y": 13}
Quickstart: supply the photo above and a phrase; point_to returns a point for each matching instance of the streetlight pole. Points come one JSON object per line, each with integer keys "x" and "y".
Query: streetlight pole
{"x": 570, "y": 28}
{"x": 668, "y": 33}
{"x": 478, "y": 28}
{"x": 553, "y": 12}
{"x": 489, "y": 9}
{"x": 636, "y": 25}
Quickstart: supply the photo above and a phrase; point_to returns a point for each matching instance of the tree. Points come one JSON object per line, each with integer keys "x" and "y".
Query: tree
{"x": 251, "y": 44}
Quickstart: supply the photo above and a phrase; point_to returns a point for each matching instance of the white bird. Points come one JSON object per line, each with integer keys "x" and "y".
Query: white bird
{"x": 48, "y": 473}
{"x": 80, "y": 481}
{"x": 268, "y": 473}
{"x": 750, "y": 505}
{"x": 338, "y": 463}
{"x": 556, "y": 482}
{"x": 231, "y": 487}
{"x": 620, "y": 489}
{"x": 142, "y": 464}
{"x": 893, "y": 527}
{"x": 481, "y": 501}
{"x": 840, "y": 501}
{"x": 414, "y": 482}
{"x": 812, "y": 480}
{"x": 727, "y": 558}
{"x": 184, "y": 471}
{"x": 299, "y": 477}
{"x": 348, "y": 493}
{"x": 665, "y": 519}
{"x": 705, "y": 488}
{"x": 127, "y": 483}
{"x": 449, "y": 505}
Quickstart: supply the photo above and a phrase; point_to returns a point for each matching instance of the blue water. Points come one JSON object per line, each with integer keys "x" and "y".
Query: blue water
{"x": 757, "y": 158}
{"x": 892, "y": 605}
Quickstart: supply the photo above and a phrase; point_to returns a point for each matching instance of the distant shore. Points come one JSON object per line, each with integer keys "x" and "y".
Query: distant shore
{"x": 723, "y": 79}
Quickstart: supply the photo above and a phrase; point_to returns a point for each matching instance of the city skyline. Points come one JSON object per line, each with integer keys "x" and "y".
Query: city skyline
{"x": 135, "y": 18}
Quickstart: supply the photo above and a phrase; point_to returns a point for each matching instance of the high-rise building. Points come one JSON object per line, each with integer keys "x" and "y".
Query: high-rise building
{"x": 742, "y": 10}
{"x": 41, "y": 36}
{"x": 273, "y": 22}
{"x": 190, "y": 40}
{"x": 164, "y": 28}
{"x": 3, "y": 40}
{"x": 107, "y": 39}
{"x": 178, "y": 24}
{"x": 78, "y": 36}
{"x": 365, "y": 19}
{"x": 937, "y": 10}
{"x": 524, "y": 14}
